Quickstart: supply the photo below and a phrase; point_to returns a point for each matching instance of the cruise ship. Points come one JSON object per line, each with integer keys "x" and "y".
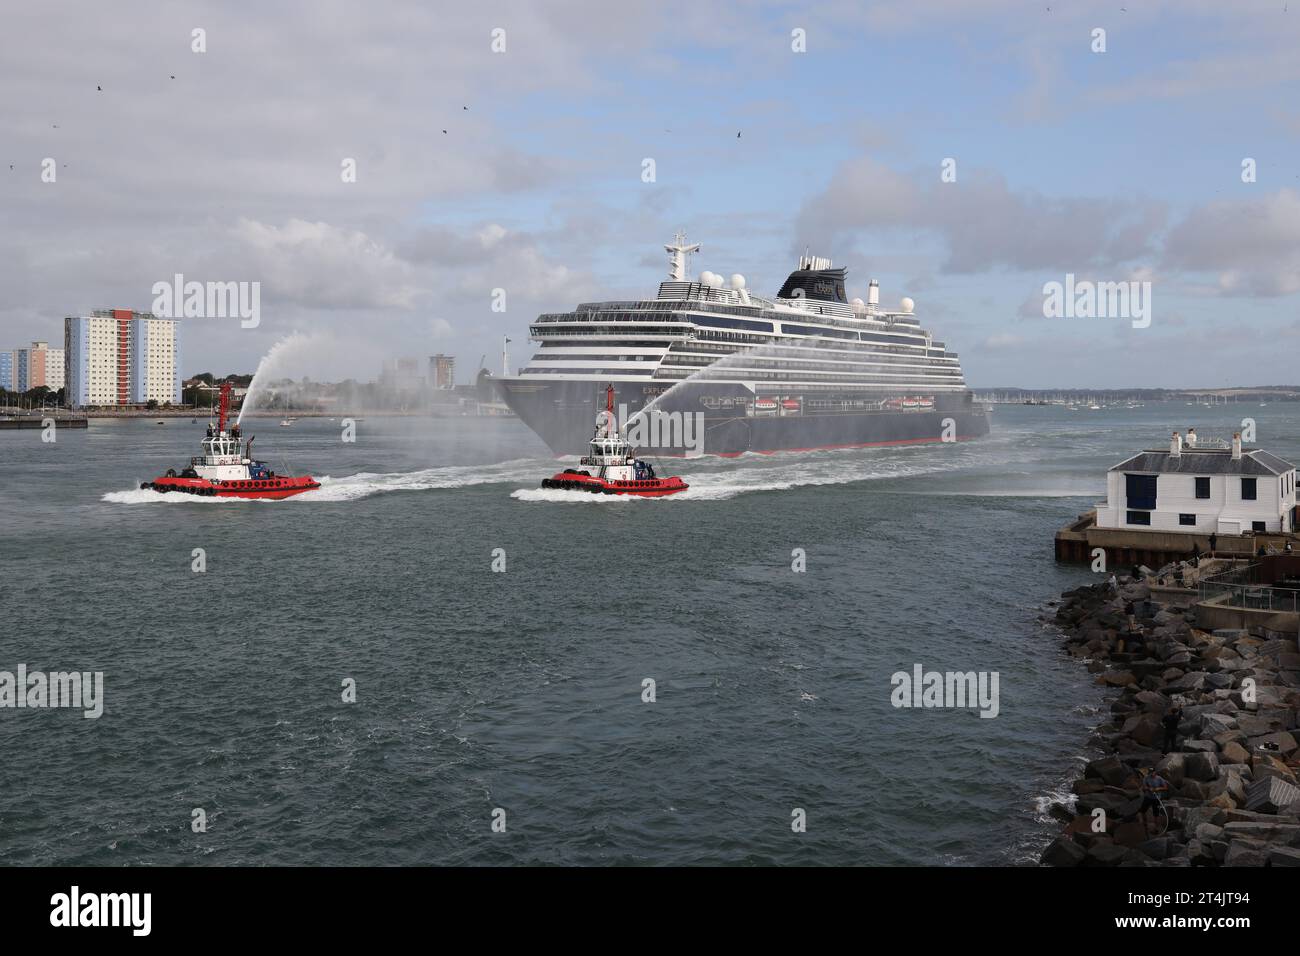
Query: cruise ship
{"x": 718, "y": 370}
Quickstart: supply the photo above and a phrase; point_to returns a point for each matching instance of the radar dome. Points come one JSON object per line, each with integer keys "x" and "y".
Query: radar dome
{"x": 737, "y": 281}
{"x": 707, "y": 277}
{"x": 857, "y": 303}
{"x": 906, "y": 304}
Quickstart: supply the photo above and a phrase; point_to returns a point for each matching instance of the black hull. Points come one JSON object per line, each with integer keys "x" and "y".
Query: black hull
{"x": 564, "y": 414}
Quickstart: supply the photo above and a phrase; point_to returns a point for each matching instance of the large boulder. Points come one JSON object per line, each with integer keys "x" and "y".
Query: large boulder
{"x": 1189, "y": 682}
{"x": 1213, "y": 724}
{"x": 1063, "y": 852}
{"x": 1275, "y": 769}
{"x": 1106, "y": 854}
{"x": 1173, "y": 768}
{"x": 1234, "y": 752}
{"x": 1152, "y": 702}
{"x": 1158, "y": 848}
{"x": 1271, "y": 794}
{"x": 1143, "y": 728}
{"x": 1115, "y": 678}
{"x": 1246, "y": 853}
{"x": 1111, "y": 770}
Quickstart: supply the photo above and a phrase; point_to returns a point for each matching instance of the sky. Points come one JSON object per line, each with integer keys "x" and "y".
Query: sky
{"x": 522, "y": 169}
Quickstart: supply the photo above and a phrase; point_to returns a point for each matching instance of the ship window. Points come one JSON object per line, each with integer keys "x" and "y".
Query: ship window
{"x": 1257, "y": 526}
{"x": 1203, "y": 487}
{"x": 1248, "y": 489}
{"x": 1139, "y": 517}
{"x": 1187, "y": 519}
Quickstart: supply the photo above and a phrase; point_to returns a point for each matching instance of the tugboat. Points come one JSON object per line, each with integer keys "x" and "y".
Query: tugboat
{"x": 227, "y": 469}
{"x": 616, "y": 472}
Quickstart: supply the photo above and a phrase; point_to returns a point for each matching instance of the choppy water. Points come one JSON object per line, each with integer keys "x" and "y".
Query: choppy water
{"x": 522, "y": 690}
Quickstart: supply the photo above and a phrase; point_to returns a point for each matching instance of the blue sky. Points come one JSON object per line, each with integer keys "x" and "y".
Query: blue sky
{"x": 1115, "y": 166}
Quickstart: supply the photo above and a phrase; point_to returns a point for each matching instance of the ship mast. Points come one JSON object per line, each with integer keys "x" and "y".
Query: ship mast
{"x": 225, "y": 407}
{"x": 677, "y": 253}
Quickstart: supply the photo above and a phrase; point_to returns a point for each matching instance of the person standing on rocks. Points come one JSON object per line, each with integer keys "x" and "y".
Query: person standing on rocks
{"x": 1214, "y": 543}
{"x": 1153, "y": 787}
{"x": 1173, "y": 717}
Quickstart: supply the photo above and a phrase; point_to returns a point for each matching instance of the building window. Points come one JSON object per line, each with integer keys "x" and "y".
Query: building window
{"x": 1141, "y": 491}
{"x": 1187, "y": 519}
{"x": 1257, "y": 526}
{"x": 1139, "y": 517}
{"x": 1248, "y": 489}
{"x": 1203, "y": 487}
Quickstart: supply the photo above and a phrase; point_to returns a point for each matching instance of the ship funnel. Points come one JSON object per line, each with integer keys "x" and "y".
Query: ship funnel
{"x": 873, "y": 293}
{"x": 1236, "y": 446}
{"x": 1176, "y": 445}
{"x": 1191, "y": 438}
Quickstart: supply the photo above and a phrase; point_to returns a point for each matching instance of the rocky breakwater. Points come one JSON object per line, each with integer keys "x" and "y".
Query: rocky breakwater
{"x": 1231, "y": 797}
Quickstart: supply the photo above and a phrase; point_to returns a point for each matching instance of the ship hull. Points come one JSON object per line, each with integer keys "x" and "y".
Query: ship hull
{"x": 275, "y": 488}
{"x": 717, "y": 418}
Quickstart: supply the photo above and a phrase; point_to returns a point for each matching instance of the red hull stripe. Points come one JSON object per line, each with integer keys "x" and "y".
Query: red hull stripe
{"x": 869, "y": 444}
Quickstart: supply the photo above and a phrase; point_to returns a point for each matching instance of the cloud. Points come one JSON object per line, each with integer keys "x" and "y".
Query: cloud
{"x": 316, "y": 264}
{"x": 981, "y": 222}
{"x": 1251, "y": 246}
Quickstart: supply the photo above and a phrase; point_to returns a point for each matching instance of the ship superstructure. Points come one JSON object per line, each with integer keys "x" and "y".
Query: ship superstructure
{"x": 806, "y": 369}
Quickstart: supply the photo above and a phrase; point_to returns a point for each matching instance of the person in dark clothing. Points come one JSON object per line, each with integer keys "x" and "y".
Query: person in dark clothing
{"x": 1214, "y": 543}
{"x": 1173, "y": 717}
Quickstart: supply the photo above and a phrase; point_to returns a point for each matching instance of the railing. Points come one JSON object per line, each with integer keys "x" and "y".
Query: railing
{"x": 1241, "y": 587}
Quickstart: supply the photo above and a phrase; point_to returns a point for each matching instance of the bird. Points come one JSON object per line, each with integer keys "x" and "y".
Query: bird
{"x": 173, "y": 77}
{"x": 444, "y": 132}
{"x": 56, "y": 125}
{"x": 100, "y": 88}
{"x": 464, "y": 107}
{"x": 737, "y": 136}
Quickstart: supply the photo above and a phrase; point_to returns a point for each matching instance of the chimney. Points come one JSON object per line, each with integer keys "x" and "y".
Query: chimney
{"x": 1176, "y": 445}
{"x": 1191, "y": 438}
{"x": 1236, "y": 446}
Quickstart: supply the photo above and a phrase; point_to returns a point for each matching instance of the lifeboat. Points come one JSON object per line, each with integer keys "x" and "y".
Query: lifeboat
{"x": 610, "y": 468}
{"x": 227, "y": 468}
{"x": 790, "y": 405}
{"x": 765, "y": 404}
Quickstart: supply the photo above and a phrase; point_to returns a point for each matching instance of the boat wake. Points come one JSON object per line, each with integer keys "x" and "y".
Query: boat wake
{"x": 365, "y": 484}
{"x": 713, "y": 480}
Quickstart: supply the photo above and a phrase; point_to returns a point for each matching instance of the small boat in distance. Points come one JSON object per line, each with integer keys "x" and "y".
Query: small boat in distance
{"x": 617, "y": 472}
{"x": 227, "y": 469}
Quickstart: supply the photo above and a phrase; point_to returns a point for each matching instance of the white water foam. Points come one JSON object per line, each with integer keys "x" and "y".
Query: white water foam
{"x": 365, "y": 484}
{"x": 713, "y": 481}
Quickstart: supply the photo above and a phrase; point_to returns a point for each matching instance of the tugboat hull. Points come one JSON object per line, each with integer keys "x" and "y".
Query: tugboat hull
{"x": 639, "y": 488}
{"x": 250, "y": 488}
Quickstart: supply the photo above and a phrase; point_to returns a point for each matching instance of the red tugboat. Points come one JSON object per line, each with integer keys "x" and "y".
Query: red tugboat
{"x": 616, "y": 472}
{"x": 227, "y": 469}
